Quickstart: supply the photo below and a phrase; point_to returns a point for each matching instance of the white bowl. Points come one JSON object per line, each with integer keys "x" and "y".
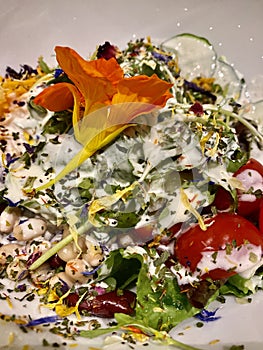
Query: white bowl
{"x": 30, "y": 28}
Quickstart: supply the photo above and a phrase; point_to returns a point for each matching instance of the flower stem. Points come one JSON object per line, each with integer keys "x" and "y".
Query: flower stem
{"x": 52, "y": 251}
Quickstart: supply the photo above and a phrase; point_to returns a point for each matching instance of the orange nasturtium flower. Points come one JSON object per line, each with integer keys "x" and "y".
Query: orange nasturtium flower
{"x": 105, "y": 102}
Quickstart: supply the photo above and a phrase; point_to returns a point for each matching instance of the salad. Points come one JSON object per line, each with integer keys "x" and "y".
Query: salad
{"x": 131, "y": 188}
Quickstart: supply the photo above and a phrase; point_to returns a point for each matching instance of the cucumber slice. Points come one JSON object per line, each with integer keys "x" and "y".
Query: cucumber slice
{"x": 196, "y": 56}
{"x": 254, "y": 111}
{"x": 255, "y": 88}
{"x": 229, "y": 80}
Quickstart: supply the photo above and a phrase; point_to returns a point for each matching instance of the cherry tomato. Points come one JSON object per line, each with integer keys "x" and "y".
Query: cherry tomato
{"x": 223, "y": 229}
{"x": 223, "y": 199}
{"x": 260, "y": 221}
{"x": 251, "y": 176}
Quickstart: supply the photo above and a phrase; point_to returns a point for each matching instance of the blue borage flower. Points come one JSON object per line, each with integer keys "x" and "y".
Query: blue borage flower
{"x": 9, "y": 159}
{"x": 11, "y": 203}
{"x": 30, "y": 149}
{"x": 22, "y": 275}
{"x": 162, "y": 56}
{"x": 11, "y": 238}
{"x": 207, "y": 316}
{"x": 88, "y": 273}
{"x": 58, "y": 72}
{"x": 65, "y": 287}
{"x": 42, "y": 320}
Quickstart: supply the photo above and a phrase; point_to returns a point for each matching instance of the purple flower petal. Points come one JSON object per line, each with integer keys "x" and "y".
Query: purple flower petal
{"x": 107, "y": 51}
{"x": 88, "y": 273}
{"x": 11, "y": 203}
{"x": 207, "y": 316}
{"x": 58, "y": 72}
{"x": 42, "y": 320}
{"x": 33, "y": 257}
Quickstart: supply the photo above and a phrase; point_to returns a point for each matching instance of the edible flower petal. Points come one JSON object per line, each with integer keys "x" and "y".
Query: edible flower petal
{"x": 15, "y": 85}
{"x": 106, "y": 202}
{"x": 96, "y": 80}
{"x": 107, "y": 51}
{"x": 143, "y": 89}
{"x": 207, "y": 316}
{"x": 56, "y": 98}
{"x": 97, "y": 84}
{"x": 42, "y": 320}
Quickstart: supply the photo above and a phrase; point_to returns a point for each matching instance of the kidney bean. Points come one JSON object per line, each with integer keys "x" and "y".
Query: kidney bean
{"x": 55, "y": 262}
{"x": 72, "y": 299}
{"x": 107, "y": 304}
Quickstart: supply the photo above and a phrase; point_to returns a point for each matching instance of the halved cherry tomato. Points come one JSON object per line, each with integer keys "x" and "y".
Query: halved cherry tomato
{"x": 223, "y": 229}
{"x": 223, "y": 200}
{"x": 260, "y": 220}
{"x": 251, "y": 176}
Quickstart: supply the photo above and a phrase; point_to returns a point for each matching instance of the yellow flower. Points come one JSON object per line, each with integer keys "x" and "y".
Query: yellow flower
{"x": 105, "y": 102}
{"x": 11, "y": 89}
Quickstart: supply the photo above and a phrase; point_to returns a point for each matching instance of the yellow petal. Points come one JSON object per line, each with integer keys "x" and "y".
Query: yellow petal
{"x": 63, "y": 310}
{"x": 107, "y": 201}
{"x": 204, "y": 140}
{"x": 192, "y": 210}
{"x": 73, "y": 164}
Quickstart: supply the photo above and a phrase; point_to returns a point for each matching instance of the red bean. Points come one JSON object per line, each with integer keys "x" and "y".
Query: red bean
{"x": 72, "y": 299}
{"x": 55, "y": 262}
{"x": 106, "y": 305}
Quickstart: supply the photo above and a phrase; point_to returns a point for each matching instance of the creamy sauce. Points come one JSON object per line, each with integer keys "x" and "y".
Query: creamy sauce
{"x": 242, "y": 260}
{"x": 251, "y": 180}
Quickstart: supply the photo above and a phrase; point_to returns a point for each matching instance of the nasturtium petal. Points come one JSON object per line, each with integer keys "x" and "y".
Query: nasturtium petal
{"x": 96, "y": 79}
{"x": 56, "y": 97}
{"x": 144, "y": 89}
{"x": 111, "y": 101}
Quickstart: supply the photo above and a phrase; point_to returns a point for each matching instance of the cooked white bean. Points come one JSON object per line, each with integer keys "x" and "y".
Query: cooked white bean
{"x": 68, "y": 252}
{"x": 42, "y": 274}
{"x": 61, "y": 277}
{"x": 94, "y": 254}
{"x": 8, "y": 218}
{"x": 29, "y": 229}
{"x": 92, "y": 245}
{"x": 17, "y": 270}
{"x": 92, "y": 260}
{"x": 75, "y": 268}
{"x": 71, "y": 251}
{"x": 11, "y": 249}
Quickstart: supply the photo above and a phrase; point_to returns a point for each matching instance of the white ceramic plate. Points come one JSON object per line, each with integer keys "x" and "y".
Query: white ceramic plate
{"x": 30, "y": 28}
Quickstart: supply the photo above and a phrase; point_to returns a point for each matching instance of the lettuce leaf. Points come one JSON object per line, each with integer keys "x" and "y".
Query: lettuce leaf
{"x": 124, "y": 270}
{"x": 237, "y": 286}
{"x": 160, "y": 303}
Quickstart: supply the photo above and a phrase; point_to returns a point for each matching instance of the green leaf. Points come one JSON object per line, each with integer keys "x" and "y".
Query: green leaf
{"x": 123, "y": 270}
{"x": 130, "y": 323}
{"x": 85, "y": 188}
{"x": 237, "y": 286}
{"x": 43, "y": 65}
{"x": 160, "y": 303}
{"x": 60, "y": 123}
{"x": 123, "y": 219}
{"x": 94, "y": 333}
{"x": 36, "y": 110}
